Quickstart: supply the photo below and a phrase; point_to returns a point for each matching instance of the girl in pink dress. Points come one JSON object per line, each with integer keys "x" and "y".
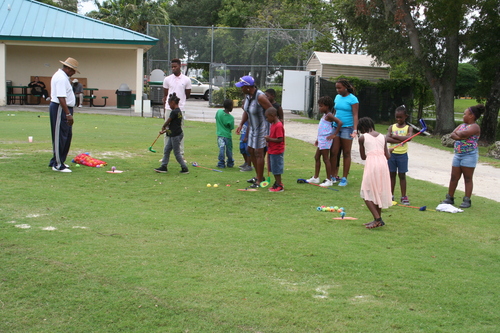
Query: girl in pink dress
{"x": 376, "y": 184}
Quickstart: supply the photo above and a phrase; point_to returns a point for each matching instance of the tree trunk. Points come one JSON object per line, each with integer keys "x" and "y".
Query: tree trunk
{"x": 444, "y": 98}
{"x": 490, "y": 117}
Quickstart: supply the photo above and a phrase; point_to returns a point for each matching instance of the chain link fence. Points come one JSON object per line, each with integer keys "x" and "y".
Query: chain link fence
{"x": 225, "y": 54}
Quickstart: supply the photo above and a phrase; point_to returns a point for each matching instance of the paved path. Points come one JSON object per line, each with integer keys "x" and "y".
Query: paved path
{"x": 426, "y": 163}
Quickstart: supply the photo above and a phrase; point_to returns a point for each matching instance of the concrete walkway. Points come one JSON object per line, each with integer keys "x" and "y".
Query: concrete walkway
{"x": 425, "y": 163}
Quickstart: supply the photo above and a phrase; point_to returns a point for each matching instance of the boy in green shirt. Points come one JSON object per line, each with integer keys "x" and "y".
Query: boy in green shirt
{"x": 225, "y": 124}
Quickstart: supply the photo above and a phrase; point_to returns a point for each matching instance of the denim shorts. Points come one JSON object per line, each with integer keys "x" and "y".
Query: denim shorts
{"x": 345, "y": 132}
{"x": 398, "y": 163}
{"x": 468, "y": 160}
{"x": 244, "y": 149}
{"x": 277, "y": 163}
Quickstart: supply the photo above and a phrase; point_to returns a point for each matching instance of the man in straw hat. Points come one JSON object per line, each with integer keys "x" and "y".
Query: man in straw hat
{"x": 61, "y": 113}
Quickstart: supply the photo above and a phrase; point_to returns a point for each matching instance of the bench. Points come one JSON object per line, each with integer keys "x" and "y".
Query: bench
{"x": 105, "y": 98}
{"x": 11, "y": 98}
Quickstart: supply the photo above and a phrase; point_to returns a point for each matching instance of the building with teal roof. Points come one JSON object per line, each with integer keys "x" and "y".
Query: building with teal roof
{"x": 35, "y": 36}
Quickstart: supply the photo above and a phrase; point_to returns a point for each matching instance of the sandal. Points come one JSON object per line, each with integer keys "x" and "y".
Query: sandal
{"x": 375, "y": 224}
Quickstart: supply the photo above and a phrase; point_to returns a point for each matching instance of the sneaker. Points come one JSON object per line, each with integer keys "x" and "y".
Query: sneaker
{"x": 343, "y": 181}
{"x": 246, "y": 168}
{"x": 466, "y": 203}
{"x": 162, "y": 169}
{"x": 277, "y": 188}
{"x": 449, "y": 200}
{"x": 243, "y": 165}
{"x": 252, "y": 181}
{"x": 47, "y": 99}
{"x": 79, "y": 106}
{"x": 66, "y": 170}
{"x": 254, "y": 186}
{"x": 326, "y": 183}
{"x": 185, "y": 171}
{"x": 335, "y": 179}
{"x": 405, "y": 201}
{"x": 313, "y": 180}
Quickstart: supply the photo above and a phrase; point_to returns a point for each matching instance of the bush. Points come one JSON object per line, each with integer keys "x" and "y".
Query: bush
{"x": 234, "y": 93}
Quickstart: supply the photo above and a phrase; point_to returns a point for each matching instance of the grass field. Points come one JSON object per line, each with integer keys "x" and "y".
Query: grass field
{"x": 145, "y": 252}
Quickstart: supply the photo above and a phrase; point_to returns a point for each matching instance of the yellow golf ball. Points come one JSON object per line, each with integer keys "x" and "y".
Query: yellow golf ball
{"x": 209, "y": 185}
{"x": 215, "y": 185}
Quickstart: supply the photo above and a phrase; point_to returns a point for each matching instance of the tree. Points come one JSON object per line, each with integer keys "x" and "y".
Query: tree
{"x": 131, "y": 14}
{"x": 484, "y": 41}
{"x": 195, "y": 12}
{"x": 427, "y": 34}
{"x": 71, "y": 5}
{"x": 467, "y": 79}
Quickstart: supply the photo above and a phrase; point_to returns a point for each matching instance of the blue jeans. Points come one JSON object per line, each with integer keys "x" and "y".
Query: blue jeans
{"x": 225, "y": 148}
{"x": 173, "y": 143}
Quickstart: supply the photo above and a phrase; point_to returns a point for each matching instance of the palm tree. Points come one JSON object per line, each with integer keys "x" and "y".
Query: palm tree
{"x": 132, "y": 14}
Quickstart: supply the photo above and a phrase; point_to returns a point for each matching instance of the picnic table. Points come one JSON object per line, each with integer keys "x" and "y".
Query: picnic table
{"x": 91, "y": 97}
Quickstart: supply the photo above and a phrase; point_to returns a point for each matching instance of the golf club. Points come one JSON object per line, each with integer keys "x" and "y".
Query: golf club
{"x": 423, "y": 208}
{"x": 424, "y": 128}
{"x": 266, "y": 182}
{"x": 199, "y": 166}
{"x": 151, "y": 147}
{"x": 304, "y": 181}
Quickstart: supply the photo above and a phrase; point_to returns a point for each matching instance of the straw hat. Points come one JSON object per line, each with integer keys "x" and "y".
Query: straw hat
{"x": 71, "y": 63}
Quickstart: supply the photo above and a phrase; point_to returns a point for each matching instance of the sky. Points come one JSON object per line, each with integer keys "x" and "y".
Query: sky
{"x": 85, "y": 6}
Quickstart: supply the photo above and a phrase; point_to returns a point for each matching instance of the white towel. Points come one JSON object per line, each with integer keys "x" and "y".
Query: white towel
{"x": 448, "y": 208}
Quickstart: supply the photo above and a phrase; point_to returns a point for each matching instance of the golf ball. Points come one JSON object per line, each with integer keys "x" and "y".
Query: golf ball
{"x": 215, "y": 185}
{"x": 96, "y": 127}
{"x": 113, "y": 168}
{"x": 209, "y": 185}
{"x": 98, "y": 166}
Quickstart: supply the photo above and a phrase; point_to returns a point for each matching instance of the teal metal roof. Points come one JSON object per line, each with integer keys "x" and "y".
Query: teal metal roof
{"x": 29, "y": 20}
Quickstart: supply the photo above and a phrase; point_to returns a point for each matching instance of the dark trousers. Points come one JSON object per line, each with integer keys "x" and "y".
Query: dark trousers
{"x": 61, "y": 135}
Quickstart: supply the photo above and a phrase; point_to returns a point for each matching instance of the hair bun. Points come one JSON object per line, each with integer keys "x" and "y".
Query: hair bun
{"x": 478, "y": 110}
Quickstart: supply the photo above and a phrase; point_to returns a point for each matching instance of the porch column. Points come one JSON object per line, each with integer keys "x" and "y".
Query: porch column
{"x": 139, "y": 80}
{"x": 3, "y": 85}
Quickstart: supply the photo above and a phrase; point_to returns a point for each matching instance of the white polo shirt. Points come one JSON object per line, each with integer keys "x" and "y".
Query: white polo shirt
{"x": 60, "y": 86}
{"x": 177, "y": 85}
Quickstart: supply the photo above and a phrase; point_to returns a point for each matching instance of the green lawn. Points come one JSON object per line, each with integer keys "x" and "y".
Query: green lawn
{"x": 147, "y": 252}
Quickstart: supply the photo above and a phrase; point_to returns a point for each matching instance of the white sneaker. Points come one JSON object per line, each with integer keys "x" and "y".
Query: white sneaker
{"x": 313, "y": 180}
{"x": 326, "y": 183}
{"x": 63, "y": 170}
{"x": 47, "y": 99}
{"x": 79, "y": 106}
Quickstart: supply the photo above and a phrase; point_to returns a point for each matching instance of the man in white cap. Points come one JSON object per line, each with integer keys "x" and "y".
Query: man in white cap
{"x": 78, "y": 90}
{"x": 61, "y": 113}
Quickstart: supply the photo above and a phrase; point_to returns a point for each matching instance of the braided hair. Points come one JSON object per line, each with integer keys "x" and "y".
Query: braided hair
{"x": 347, "y": 85}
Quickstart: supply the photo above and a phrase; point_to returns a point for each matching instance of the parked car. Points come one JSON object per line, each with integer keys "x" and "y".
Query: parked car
{"x": 200, "y": 89}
